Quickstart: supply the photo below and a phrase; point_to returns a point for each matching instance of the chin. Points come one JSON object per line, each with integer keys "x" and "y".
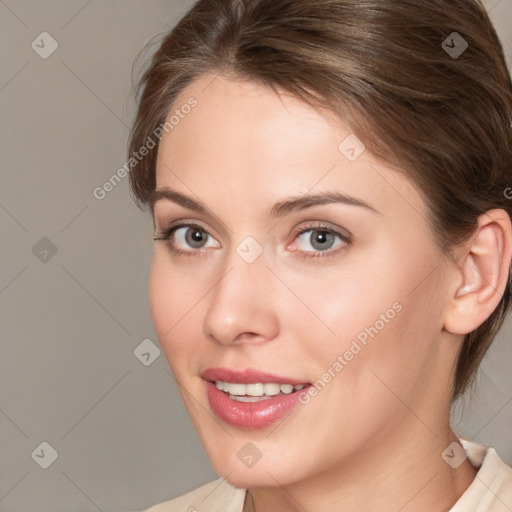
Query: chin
{"x": 252, "y": 478}
{"x": 265, "y": 472}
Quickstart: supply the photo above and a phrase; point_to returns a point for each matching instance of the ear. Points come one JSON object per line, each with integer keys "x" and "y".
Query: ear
{"x": 483, "y": 273}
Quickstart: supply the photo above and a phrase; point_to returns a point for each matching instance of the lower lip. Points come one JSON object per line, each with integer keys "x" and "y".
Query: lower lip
{"x": 251, "y": 414}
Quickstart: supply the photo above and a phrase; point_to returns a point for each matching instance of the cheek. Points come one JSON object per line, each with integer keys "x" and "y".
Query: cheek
{"x": 160, "y": 298}
{"x": 392, "y": 346}
{"x": 173, "y": 301}
{"x": 381, "y": 309}
{"x": 339, "y": 302}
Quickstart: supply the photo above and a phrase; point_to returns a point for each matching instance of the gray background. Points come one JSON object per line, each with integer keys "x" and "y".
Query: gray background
{"x": 70, "y": 323}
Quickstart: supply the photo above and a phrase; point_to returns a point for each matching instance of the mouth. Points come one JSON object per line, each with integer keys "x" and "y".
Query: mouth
{"x": 249, "y": 398}
{"x": 256, "y": 392}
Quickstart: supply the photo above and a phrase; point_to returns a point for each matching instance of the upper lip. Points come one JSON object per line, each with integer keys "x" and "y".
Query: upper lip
{"x": 246, "y": 376}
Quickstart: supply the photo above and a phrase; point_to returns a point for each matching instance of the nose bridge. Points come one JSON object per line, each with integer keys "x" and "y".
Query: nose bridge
{"x": 240, "y": 301}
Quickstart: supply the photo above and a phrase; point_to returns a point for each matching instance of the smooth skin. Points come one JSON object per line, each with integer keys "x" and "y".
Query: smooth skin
{"x": 372, "y": 438}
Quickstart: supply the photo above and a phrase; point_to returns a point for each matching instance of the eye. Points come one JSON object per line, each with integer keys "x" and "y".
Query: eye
{"x": 193, "y": 237}
{"x": 187, "y": 238}
{"x": 319, "y": 239}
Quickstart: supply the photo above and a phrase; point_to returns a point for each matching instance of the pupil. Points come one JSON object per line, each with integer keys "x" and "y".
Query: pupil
{"x": 195, "y": 238}
{"x": 322, "y": 240}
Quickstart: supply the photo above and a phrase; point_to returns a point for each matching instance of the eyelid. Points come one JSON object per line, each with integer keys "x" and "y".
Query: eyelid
{"x": 177, "y": 213}
{"x": 182, "y": 223}
{"x": 343, "y": 233}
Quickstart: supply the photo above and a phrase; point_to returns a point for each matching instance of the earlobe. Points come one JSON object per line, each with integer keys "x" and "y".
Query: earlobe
{"x": 482, "y": 273}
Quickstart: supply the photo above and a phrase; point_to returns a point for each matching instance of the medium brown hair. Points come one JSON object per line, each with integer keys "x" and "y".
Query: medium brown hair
{"x": 384, "y": 67}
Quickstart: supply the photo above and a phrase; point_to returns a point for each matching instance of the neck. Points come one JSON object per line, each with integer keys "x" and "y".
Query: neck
{"x": 397, "y": 471}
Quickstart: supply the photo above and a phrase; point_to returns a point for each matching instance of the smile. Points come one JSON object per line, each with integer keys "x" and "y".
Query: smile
{"x": 251, "y": 399}
{"x": 257, "y": 391}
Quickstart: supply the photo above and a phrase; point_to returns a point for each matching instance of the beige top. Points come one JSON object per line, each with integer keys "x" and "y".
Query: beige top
{"x": 491, "y": 491}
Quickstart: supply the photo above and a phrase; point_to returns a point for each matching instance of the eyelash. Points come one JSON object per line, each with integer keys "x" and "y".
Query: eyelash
{"x": 168, "y": 233}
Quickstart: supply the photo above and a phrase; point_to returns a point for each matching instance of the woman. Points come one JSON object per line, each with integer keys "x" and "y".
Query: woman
{"x": 327, "y": 181}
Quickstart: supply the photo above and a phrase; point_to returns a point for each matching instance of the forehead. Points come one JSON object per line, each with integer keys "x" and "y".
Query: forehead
{"x": 245, "y": 141}
{"x": 233, "y": 117}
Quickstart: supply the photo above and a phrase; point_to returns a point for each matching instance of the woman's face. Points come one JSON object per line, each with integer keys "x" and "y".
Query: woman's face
{"x": 305, "y": 262}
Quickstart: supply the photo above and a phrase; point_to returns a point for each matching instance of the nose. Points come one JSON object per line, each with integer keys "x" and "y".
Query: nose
{"x": 240, "y": 305}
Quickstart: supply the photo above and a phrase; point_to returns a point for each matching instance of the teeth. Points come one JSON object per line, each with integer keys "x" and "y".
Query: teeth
{"x": 271, "y": 389}
{"x": 251, "y": 392}
{"x": 249, "y": 398}
{"x": 286, "y": 388}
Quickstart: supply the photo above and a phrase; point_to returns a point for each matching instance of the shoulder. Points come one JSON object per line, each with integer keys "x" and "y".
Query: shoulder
{"x": 491, "y": 491}
{"x": 216, "y": 496}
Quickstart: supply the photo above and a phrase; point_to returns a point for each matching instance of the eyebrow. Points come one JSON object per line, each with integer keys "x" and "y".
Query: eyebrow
{"x": 279, "y": 209}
